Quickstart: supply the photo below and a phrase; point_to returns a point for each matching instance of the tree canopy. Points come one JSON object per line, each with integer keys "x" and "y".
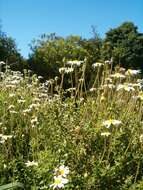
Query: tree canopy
{"x": 50, "y": 52}
{"x": 125, "y": 45}
{"x": 9, "y": 52}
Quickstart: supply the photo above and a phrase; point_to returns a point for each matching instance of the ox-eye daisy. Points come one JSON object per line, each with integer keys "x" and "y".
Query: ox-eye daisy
{"x": 59, "y": 182}
{"x": 110, "y": 122}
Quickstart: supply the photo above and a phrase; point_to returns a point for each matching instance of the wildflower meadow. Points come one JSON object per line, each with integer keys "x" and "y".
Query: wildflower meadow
{"x": 73, "y": 137}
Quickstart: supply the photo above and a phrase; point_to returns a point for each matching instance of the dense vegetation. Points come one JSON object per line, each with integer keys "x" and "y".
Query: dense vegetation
{"x": 123, "y": 44}
{"x": 9, "y": 52}
{"x": 75, "y": 119}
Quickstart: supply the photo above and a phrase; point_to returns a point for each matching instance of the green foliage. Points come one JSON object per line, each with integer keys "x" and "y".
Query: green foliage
{"x": 51, "y": 52}
{"x": 9, "y": 52}
{"x": 125, "y": 45}
{"x": 97, "y": 135}
{"x": 88, "y": 119}
{"x": 11, "y": 186}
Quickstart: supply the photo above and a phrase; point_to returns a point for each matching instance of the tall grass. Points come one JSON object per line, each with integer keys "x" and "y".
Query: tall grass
{"x": 95, "y": 134}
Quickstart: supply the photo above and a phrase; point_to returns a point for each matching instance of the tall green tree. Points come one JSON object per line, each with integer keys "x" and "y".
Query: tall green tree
{"x": 9, "y": 52}
{"x": 125, "y": 45}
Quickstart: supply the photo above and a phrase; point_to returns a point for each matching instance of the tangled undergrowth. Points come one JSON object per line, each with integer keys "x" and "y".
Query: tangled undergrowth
{"x": 75, "y": 138}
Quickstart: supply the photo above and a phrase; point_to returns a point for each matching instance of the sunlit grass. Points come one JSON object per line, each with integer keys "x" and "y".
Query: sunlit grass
{"x": 95, "y": 133}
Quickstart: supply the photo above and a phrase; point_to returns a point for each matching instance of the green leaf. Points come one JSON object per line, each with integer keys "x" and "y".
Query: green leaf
{"x": 11, "y": 186}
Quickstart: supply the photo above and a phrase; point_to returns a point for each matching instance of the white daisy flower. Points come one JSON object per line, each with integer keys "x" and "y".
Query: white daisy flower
{"x": 141, "y": 138}
{"x": 110, "y": 122}
{"x": 92, "y": 89}
{"x": 31, "y": 163}
{"x": 118, "y": 75}
{"x": 75, "y": 63}
{"x": 2, "y": 63}
{"x": 63, "y": 170}
{"x": 131, "y": 72}
{"x": 126, "y": 87}
{"x": 62, "y": 70}
{"x": 59, "y": 182}
{"x": 97, "y": 64}
{"x": 105, "y": 134}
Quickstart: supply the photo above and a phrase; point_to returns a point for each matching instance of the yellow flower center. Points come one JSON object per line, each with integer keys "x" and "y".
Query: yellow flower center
{"x": 58, "y": 181}
{"x": 62, "y": 172}
{"x": 110, "y": 121}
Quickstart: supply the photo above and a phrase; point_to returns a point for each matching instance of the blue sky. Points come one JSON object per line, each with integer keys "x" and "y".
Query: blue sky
{"x": 27, "y": 19}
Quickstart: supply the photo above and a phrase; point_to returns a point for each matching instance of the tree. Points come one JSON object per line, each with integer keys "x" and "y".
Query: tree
{"x": 49, "y": 52}
{"x": 9, "y": 52}
{"x": 125, "y": 45}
